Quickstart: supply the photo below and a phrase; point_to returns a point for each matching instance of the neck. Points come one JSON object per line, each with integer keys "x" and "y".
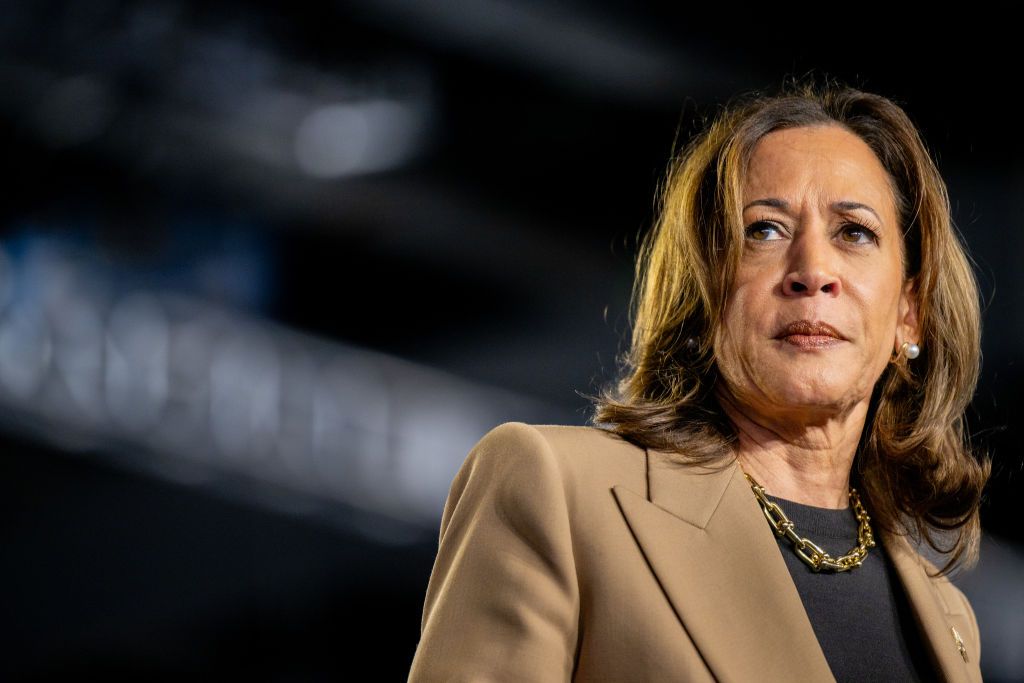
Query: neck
{"x": 806, "y": 462}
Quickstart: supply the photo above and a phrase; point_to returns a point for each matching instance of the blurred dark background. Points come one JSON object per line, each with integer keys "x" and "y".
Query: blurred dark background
{"x": 269, "y": 269}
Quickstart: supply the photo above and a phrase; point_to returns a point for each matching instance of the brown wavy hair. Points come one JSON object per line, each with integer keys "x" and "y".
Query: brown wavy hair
{"x": 915, "y": 466}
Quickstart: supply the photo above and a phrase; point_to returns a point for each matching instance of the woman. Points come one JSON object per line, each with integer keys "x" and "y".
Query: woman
{"x": 805, "y": 342}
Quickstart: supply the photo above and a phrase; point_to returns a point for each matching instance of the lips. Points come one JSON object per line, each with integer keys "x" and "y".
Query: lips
{"x": 810, "y": 334}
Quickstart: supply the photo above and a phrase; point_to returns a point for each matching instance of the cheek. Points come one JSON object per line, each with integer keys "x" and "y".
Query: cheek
{"x": 748, "y": 303}
{"x": 743, "y": 330}
{"x": 879, "y": 311}
{"x": 735, "y": 328}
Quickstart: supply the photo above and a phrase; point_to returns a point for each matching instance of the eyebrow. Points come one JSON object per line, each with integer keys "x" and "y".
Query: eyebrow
{"x": 777, "y": 203}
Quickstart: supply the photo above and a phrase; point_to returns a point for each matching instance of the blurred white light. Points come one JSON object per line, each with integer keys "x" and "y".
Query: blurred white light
{"x": 245, "y": 395}
{"x": 437, "y": 426}
{"x": 358, "y": 137}
{"x": 295, "y": 436}
{"x": 25, "y": 352}
{"x": 215, "y": 392}
{"x": 136, "y": 361}
{"x": 192, "y": 347}
{"x": 78, "y": 354}
{"x": 351, "y": 412}
{"x": 185, "y": 421}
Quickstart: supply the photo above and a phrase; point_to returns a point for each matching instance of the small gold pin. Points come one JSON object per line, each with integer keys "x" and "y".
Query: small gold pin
{"x": 959, "y": 643}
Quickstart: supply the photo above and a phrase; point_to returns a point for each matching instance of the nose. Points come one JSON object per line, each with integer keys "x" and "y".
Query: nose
{"x": 812, "y": 267}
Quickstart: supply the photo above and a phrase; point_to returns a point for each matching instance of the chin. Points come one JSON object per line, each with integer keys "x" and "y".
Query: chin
{"x": 813, "y": 403}
{"x": 814, "y": 383}
{"x": 814, "y": 399}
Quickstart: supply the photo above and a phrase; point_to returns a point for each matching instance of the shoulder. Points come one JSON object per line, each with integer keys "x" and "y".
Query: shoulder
{"x": 565, "y": 439}
{"x": 517, "y": 465}
{"x": 573, "y": 451}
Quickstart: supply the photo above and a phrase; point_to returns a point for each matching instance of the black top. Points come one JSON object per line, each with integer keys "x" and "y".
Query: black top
{"x": 862, "y": 619}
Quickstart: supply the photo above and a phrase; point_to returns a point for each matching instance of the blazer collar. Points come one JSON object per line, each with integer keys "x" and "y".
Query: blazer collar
{"x": 928, "y": 608}
{"x": 719, "y": 564}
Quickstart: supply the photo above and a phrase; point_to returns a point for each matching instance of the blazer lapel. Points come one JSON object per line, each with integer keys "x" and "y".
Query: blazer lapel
{"x": 719, "y": 564}
{"x": 927, "y": 607}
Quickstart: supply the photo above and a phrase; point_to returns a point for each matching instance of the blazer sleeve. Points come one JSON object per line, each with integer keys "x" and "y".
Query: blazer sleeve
{"x": 502, "y": 602}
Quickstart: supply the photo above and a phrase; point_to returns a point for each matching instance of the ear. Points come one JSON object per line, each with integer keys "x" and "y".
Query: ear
{"x": 907, "y": 326}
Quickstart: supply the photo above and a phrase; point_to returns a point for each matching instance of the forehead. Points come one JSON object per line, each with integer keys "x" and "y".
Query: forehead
{"x": 826, "y": 163}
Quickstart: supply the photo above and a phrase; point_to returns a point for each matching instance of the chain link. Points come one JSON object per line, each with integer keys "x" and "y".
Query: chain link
{"x": 807, "y": 550}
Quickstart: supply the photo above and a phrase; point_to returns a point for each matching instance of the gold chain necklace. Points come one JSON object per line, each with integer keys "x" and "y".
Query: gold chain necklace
{"x": 807, "y": 550}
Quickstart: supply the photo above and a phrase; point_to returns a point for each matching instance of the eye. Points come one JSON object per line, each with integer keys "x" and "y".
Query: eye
{"x": 855, "y": 233}
{"x": 763, "y": 231}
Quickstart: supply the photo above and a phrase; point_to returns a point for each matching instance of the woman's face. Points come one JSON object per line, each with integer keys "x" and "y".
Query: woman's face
{"x": 819, "y": 303}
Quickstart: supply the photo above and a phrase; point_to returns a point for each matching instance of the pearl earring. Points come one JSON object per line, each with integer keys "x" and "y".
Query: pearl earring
{"x": 912, "y": 351}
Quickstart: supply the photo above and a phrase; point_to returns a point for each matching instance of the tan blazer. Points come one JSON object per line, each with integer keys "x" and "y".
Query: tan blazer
{"x": 567, "y": 553}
